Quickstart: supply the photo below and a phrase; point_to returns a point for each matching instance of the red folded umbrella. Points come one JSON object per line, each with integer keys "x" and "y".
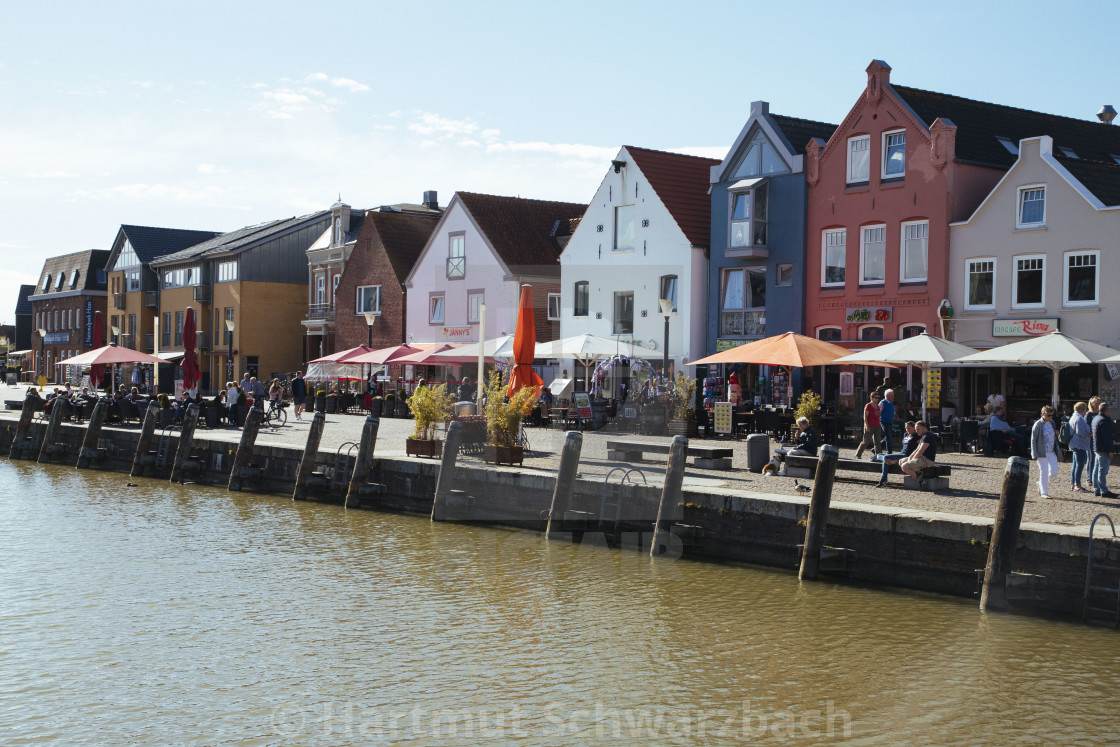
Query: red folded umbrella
{"x": 524, "y": 346}
{"x": 97, "y": 370}
{"x": 191, "y": 374}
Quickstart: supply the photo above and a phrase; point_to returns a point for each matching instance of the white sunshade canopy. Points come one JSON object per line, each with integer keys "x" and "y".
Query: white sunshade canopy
{"x": 586, "y": 348}
{"x": 499, "y": 347}
{"x": 921, "y": 351}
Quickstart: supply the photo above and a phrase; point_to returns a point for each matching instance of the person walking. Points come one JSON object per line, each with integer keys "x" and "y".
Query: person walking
{"x": 1080, "y": 444}
{"x": 231, "y": 402}
{"x": 886, "y": 418}
{"x": 1102, "y": 450}
{"x": 872, "y": 433}
{"x": 258, "y": 392}
{"x": 299, "y": 393}
{"x": 1094, "y": 403}
{"x": 1044, "y": 449}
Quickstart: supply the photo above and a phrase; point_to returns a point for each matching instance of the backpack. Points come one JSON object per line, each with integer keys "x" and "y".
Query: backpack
{"x": 1065, "y": 433}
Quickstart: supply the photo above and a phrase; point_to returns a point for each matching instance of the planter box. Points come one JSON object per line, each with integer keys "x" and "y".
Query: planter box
{"x": 505, "y": 454}
{"x": 402, "y": 409}
{"x": 423, "y": 448}
{"x": 332, "y": 405}
{"x": 375, "y": 407}
{"x": 320, "y": 404}
{"x": 389, "y": 408}
{"x": 687, "y": 428}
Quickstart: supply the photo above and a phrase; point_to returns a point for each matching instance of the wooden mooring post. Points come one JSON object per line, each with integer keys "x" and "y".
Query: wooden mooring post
{"x": 186, "y": 442}
{"x": 670, "y": 495}
{"x": 89, "y": 448}
{"x": 20, "y": 448}
{"x": 1005, "y": 534}
{"x": 817, "y": 520}
{"x": 310, "y": 451}
{"x": 565, "y": 480}
{"x": 144, "y": 445}
{"x": 48, "y": 448}
{"x": 362, "y": 463}
{"x": 446, "y": 477}
{"x": 244, "y": 453}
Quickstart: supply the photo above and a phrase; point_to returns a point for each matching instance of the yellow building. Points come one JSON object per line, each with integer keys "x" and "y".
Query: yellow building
{"x": 254, "y": 280}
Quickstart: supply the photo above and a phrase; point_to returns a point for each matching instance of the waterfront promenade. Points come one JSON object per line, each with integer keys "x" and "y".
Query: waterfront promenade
{"x": 975, "y": 483}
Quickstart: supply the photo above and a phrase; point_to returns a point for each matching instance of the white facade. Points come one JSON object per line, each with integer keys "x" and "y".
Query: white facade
{"x": 481, "y": 276}
{"x": 625, "y": 249}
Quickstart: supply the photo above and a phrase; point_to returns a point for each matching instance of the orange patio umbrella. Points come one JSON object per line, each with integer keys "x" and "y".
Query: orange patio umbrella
{"x": 524, "y": 346}
{"x": 790, "y": 350}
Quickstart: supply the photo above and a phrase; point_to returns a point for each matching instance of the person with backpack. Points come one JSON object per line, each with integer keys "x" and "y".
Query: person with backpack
{"x": 1080, "y": 440}
{"x": 1044, "y": 449}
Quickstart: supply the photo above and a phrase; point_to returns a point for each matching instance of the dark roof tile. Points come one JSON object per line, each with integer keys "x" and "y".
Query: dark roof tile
{"x": 403, "y": 235}
{"x": 152, "y": 243}
{"x": 800, "y": 131}
{"x": 1100, "y": 178}
{"x": 88, "y": 263}
{"x": 242, "y": 238}
{"x": 681, "y": 182}
{"x": 23, "y": 303}
{"x": 522, "y": 231}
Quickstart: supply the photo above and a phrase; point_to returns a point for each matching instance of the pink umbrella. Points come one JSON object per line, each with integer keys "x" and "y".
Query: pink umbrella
{"x": 97, "y": 370}
{"x": 191, "y": 374}
{"x": 344, "y": 356}
{"x": 387, "y": 355}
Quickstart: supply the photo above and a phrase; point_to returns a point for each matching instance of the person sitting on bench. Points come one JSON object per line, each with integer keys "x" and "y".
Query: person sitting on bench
{"x": 999, "y": 431}
{"x": 805, "y": 445}
{"x": 924, "y": 456}
{"x": 909, "y": 444}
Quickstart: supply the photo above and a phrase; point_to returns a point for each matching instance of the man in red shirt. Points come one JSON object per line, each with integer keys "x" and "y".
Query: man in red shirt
{"x": 872, "y": 433}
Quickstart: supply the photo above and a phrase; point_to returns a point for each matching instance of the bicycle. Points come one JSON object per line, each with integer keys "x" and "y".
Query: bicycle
{"x": 277, "y": 415}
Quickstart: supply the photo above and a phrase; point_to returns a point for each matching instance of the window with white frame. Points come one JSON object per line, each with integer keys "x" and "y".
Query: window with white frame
{"x": 132, "y": 280}
{"x": 1082, "y": 279}
{"x": 73, "y": 279}
{"x": 457, "y": 256}
{"x": 127, "y": 257}
{"x": 894, "y": 154}
{"x": 1028, "y": 284}
{"x": 1032, "y": 206}
{"x": 749, "y": 217}
{"x": 871, "y": 333}
{"x": 980, "y": 283}
{"x": 182, "y": 277}
{"x": 761, "y": 160}
{"x": 335, "y": 279}
{"x": 829, "y": 334}
{"x": 624, "y": 235}
{"x": 859, "y": 159}
{"x": 833, "y": 257}
{"x": 227, "y": 271}
{"x": 624, "y": 313}
{"x": 46, "y": 282}
{"x": 913, "y": 262}
{"x": 554, "y": 307}
{"x": 743, "y": 301}
{"x": 435, "y": 309}
{"x": 668, "y": 286}
{"x": 581, "y": 298}
{"x": 873, "y": 255}
{"x": 784, "y": 274}
{"x": 368, "y": 299}
{"x": 475, "y": 299}
{"x": 60, "y": 281}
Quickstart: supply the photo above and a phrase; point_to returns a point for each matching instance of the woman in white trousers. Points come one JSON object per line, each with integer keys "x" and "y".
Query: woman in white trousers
{"x": 1044, "y": 449}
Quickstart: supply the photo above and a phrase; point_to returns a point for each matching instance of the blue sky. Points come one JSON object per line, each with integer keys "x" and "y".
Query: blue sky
{"x": 218, "y": 115}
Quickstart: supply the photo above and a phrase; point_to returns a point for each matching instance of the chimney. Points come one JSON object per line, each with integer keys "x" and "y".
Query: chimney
{"x": 878, "y": 75}
{"x": 1106, "y": 114}
{"x": 431, "y": 200}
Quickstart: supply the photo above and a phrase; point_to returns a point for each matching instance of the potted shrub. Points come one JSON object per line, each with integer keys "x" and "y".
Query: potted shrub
{"x": 321, "y": 399}
{"x": 682, "y": 407}
{"x": 430, "y": 406}
{"x": 503, "y": 420}
{"x": 332, "y": 403}
{"x": 389, "y": 406}
{"x": 375, "y": 406}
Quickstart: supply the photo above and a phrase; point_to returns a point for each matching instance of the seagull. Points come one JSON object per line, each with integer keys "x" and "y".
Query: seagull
{"x": 801, "y": 488}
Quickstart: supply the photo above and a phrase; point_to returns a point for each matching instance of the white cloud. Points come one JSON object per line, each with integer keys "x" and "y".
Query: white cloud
{"x": 209, "y": 169}
{"x": 352, "y": 86}
{"x": 430, "y": 124}
{"x": 286, "y": 97}
{"x": 566, "y": 150}
{"x": 315, "y": 77}
{"x": 50, "y": 175}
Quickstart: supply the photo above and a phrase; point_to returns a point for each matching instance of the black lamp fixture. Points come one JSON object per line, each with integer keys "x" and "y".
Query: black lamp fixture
{"x": 371, "y": 317}
{"x": 618, "y": 165}
{"x": 666, "y": 311}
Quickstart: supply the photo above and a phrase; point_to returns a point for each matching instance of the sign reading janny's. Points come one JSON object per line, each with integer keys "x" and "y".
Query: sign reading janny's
{"x": 1023, "y": 327}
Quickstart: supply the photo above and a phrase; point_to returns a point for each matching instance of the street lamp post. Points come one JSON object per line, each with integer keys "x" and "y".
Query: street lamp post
{"x": 666, "y": 311}
{"x": 229, "y": 356}
{"x": 371, "y": 317}
{"x": 42, "y": 357}
{"x": 113, "y": 371}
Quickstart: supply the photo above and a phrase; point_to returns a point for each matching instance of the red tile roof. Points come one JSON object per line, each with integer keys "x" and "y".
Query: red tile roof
{"x": 682, "y": 184}
{"x": 523, "y": 232}
{"x": 403, "y": 235}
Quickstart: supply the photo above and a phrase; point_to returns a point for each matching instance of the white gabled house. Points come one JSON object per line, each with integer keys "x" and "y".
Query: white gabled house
{"x": 644, "y": 237}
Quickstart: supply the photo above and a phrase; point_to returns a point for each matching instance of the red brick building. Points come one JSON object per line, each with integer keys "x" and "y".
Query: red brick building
{"x": 71, "y": 289}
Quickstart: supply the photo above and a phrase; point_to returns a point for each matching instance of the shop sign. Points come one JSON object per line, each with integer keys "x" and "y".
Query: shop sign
{"x": 722, "y": 412}
{"x": 861, "y": 314}
{"x": 1023, "y": 327}
{"x": 458, "y": 333}
{"x": 57, "y": 338}
{"x": 89, "y": 322}
{"x": 725, "y": 344}
{"x": 583, "y": 405}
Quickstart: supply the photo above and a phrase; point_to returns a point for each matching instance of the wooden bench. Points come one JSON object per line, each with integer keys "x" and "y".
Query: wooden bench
{"x": 705, "y": 457}
{"x": 936, "y": 477}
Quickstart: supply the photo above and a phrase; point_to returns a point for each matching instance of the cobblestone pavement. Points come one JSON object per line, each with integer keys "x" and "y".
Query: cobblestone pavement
{"x": 975, "y": 483}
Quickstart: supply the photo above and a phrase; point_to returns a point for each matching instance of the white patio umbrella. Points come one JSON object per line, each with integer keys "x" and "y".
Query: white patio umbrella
{"x": 1053, "y": 350}
{"x": 587, "y": 349}
{"x": 923, "y": 351}
{"x": 499, "y": 347}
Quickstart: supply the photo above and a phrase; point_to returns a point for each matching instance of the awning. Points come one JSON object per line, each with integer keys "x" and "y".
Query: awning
{"x": 560, "y": 388}
{"x": 20, "y": 353}
{"x": 745, "y": 184}
{"x": 171, "y": 355}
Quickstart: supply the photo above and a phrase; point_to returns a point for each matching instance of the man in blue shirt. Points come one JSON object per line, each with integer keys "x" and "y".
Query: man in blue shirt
{"x": 909, "y": 444}
{"x": 886, "y": 418}
{"x": 1102, "y": 448}
{"x": 998, "y": 430}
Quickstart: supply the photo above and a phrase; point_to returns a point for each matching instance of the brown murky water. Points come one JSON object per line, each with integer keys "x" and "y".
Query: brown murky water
{"x": 158, "y": 614}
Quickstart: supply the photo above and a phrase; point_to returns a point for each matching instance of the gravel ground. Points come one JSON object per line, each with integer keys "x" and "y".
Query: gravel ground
{"x": 976, "y": 479}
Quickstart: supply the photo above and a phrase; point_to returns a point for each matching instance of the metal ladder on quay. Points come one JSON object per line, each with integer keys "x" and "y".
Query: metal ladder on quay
{"x": 611, "y": 500}
{"x": 164, "y": 449}
{"x": 1095, "y": 587}
{"x": 343, "y": 467}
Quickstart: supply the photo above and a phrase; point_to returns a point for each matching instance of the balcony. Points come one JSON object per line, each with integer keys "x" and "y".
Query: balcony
{"x": 151, "y": 299}
{"x": 742, "y": 324}
{"x": 118, "y": 301}
{"x": 202, "y": 294}
{"x": 321, "y": 312}
{"x": 456, "y": 268}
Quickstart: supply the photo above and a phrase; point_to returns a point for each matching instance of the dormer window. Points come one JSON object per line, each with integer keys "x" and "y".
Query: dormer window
{"x": 60, "y": 281}
{"x": 761, "y": 160}
{"x": 73, "y": 279}
{"x": 46, "y": 282}
{"x": 1067, "y": 151}
{"x": 894, "y": 154}
{"x": 1011, "y": 147}
{"x": 859, "y": 159}
{"x": 337, "y": 230}
{"x": 749, "y": 214}
{"x": 1032, "y": 207}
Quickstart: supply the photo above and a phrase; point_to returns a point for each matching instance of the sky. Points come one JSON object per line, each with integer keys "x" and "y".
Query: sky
{"x": 214, "y": 116}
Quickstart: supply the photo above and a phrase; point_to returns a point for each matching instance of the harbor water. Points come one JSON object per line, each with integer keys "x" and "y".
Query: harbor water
{"x": 154, "y": 613}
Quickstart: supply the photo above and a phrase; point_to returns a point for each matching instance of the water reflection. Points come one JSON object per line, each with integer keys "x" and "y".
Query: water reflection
{"x": 165, "y": 613}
